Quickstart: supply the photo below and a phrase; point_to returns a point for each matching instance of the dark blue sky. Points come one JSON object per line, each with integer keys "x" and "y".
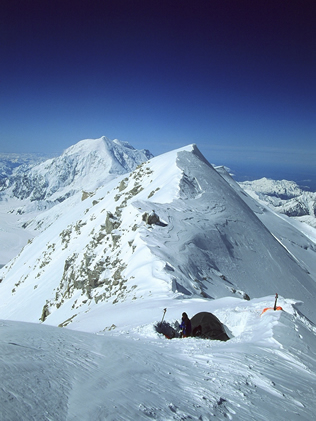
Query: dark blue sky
{"x": 235, "y": 77}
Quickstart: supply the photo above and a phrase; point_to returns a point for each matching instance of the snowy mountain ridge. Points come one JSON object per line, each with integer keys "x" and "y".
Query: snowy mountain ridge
{"x": 282, "y": 189}
{"x": 285, "y": 197}
{"x": 266, "y": 369}
{"x": 175, "y": 234}
{"x": 29, "y": 194}
{"x": 172, "y": 227}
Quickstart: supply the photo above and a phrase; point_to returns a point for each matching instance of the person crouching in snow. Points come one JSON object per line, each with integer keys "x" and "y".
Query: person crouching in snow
{"x": 185, "y": 326}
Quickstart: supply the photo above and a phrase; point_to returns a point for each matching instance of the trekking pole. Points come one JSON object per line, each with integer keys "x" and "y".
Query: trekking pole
{"x": 164, "y": 312}
{"x": 275, "y": 302}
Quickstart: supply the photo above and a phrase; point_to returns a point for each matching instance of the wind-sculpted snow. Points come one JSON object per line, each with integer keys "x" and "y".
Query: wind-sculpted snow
{"x": 173, "y": 227}
{"x": 172, "y": 234}
{"x": 267, "y": 369}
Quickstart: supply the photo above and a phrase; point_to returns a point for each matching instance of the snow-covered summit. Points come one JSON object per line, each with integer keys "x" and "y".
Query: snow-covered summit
{"x": 85, "y": 165}
{"x": 173, "y": 233}
{"x": 172, "y": 228}
{"x": 30, "y": 188}
{"x": 115, "y": 156}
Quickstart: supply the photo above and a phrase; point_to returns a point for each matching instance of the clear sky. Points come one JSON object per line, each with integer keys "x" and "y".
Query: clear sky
{"x": 235, "y": 77}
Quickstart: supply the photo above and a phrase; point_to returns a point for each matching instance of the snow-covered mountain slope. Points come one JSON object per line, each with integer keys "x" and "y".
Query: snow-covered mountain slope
{"x": 173, "y": 233}
{"x": 28, "y": 195}
{"x": 85, "y": 165}
{"x": 300, "y": 241}
{"x": 285, "y": 197}
{"x": 282, "y": 189}
{"x": 266, "y": 370}
{"x": 173, "y": 228}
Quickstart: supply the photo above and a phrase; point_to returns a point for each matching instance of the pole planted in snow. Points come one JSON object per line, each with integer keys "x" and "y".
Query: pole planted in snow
{"x": 164, "y": 312}
{"x": 275, "y": 302}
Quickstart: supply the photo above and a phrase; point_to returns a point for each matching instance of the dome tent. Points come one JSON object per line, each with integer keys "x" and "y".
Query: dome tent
{"x": 206, "y": 325}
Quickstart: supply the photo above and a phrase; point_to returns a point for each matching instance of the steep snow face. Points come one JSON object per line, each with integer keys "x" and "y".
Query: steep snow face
{"x": 172, "y": 228}
{"x": 298, "y": 238}
{"x": 285, "y": 197}
{"x": 86, "y": 165}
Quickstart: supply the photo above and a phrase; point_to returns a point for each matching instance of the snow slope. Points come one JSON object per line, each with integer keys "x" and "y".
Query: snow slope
{"x": 285, "y": 197}
{"x": 85, "y": 165}
{"x": 174, "y": 233}
{"x": 266, "y": 370}
{"x": 12, "y": 237}
{"x": 209, "y": 243}
{"x": 29, "y": 193}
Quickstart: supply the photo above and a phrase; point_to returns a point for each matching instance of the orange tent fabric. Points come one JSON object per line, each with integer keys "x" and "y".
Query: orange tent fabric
{"x": 271, "y": 308}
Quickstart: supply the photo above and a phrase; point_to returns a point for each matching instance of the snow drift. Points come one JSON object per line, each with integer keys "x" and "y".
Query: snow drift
{"x": 172, "y": 233}
{"x": 267, "y": 369}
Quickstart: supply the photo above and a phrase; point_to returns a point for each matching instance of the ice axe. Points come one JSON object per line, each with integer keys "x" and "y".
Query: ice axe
{"x": 275, "y": 302}
{"x": 275, "y": 307}
{"x": 163, "y": 316}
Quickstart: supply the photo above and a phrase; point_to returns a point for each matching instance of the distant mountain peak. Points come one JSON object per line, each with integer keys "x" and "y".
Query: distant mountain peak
{"x": 173, "y": 227}
{"x": 86, "y": 165}
{"x": 285, "y": 197}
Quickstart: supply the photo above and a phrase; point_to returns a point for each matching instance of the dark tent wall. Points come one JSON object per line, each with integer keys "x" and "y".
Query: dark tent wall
{"x": 206, "y": 325}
